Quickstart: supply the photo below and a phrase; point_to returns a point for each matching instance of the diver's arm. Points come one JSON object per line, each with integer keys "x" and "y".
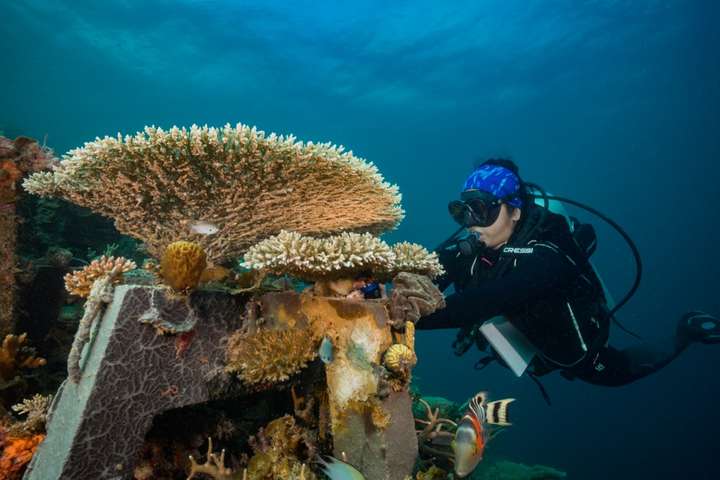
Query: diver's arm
{"x": 449, "y": 259}
{"x": 535, "y": 276}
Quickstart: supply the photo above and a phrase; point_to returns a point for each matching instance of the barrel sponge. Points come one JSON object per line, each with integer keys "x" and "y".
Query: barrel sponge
{"x": 225, "y": 188}
{"x": 182, "y": 265}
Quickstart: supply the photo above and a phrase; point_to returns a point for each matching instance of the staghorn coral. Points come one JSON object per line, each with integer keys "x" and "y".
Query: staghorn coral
{"x": 434, "y": 428}
{"x": 182, "y": 265}
{"x": 36, "y": 411}
{"x": 225, "y": 188}
{"x": 214, "y": 467}
{"x": 270, "y": 356}
{"x": 80, "y": 282}
{"x": 17, "y": 453}
{"x": 15, "y": 355}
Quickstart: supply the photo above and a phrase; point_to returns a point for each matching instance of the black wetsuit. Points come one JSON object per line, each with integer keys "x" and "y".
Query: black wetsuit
{"x": 542, "y": 281}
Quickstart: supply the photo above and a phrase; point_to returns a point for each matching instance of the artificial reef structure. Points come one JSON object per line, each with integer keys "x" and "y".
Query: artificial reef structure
{"x": 262, "y": 323}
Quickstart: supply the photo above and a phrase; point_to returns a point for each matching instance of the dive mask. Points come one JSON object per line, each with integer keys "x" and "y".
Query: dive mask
{"x": 475, "y": 208}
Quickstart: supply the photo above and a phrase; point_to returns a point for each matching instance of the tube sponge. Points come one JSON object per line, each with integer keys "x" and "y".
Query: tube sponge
{"x": 182, "y": 265}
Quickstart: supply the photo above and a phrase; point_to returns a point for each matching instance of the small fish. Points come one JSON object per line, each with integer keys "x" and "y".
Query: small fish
{"x": 203, "y": 228}
{"x": 326, "y": 350}
{"x": 475, "y": 430}
{"x": 337, "y": 470}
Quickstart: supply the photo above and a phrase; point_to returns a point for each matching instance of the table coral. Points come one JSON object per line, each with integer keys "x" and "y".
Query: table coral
{"x": 338, "y": 256}
{"x": 225, "y": 188}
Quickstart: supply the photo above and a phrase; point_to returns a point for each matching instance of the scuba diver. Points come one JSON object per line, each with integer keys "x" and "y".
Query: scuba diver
{"x": 524, "y": 286}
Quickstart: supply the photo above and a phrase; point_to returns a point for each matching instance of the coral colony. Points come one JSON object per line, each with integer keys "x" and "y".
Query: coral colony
{"x": 262, "y": 324}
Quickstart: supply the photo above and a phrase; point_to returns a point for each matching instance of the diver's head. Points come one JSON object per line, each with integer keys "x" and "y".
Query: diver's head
{"x": 491, "y": 202}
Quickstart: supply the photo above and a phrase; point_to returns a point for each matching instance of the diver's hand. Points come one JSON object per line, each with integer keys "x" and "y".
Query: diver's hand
{"x": 413, "y": 296}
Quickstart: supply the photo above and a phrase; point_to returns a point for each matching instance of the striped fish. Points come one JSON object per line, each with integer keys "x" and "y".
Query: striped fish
{"x": 482, "y": 421}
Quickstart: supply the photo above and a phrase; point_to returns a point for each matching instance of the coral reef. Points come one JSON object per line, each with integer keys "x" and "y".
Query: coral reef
{"x": 432, "y": 473}
{"x": 214, "y": 466}
{"x": 435, "y": 432}
{"x": 16, "y": 454}
{"x": 35, "y": 410}
{"x": 281, "y": 450}
{"x": 225, "y": 188}
{"x": 270, "y": 356}
{"x": 16, "y": 356}
{"x": 17, "y": 158}
{"x": 414, "y": 258}
{"x": 182, "y": 265}
{"x": 80, "y": 282}
{"x": 343, "y": 256}
{"x": 308, "y": 258}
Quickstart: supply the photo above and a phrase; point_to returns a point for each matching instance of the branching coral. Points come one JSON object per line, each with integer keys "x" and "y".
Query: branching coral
{"x": 214, "y": 466}
{"x": 18, "y": 157}
{"x": 344, "y": 255}
{"x": 80, "y": 282}
{"x": 35, "y": 410}
{"x": 432, "y": 428}
{"x": 15, "y": 355}
{"x": 340, "y": 256}
{"x": 414, "y": 258}
{"x": 270, "y": 356}
{"x": 225, "y": 188}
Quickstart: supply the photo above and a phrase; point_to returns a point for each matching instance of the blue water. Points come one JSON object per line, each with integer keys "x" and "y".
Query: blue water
{"x": 616, "y": 104}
